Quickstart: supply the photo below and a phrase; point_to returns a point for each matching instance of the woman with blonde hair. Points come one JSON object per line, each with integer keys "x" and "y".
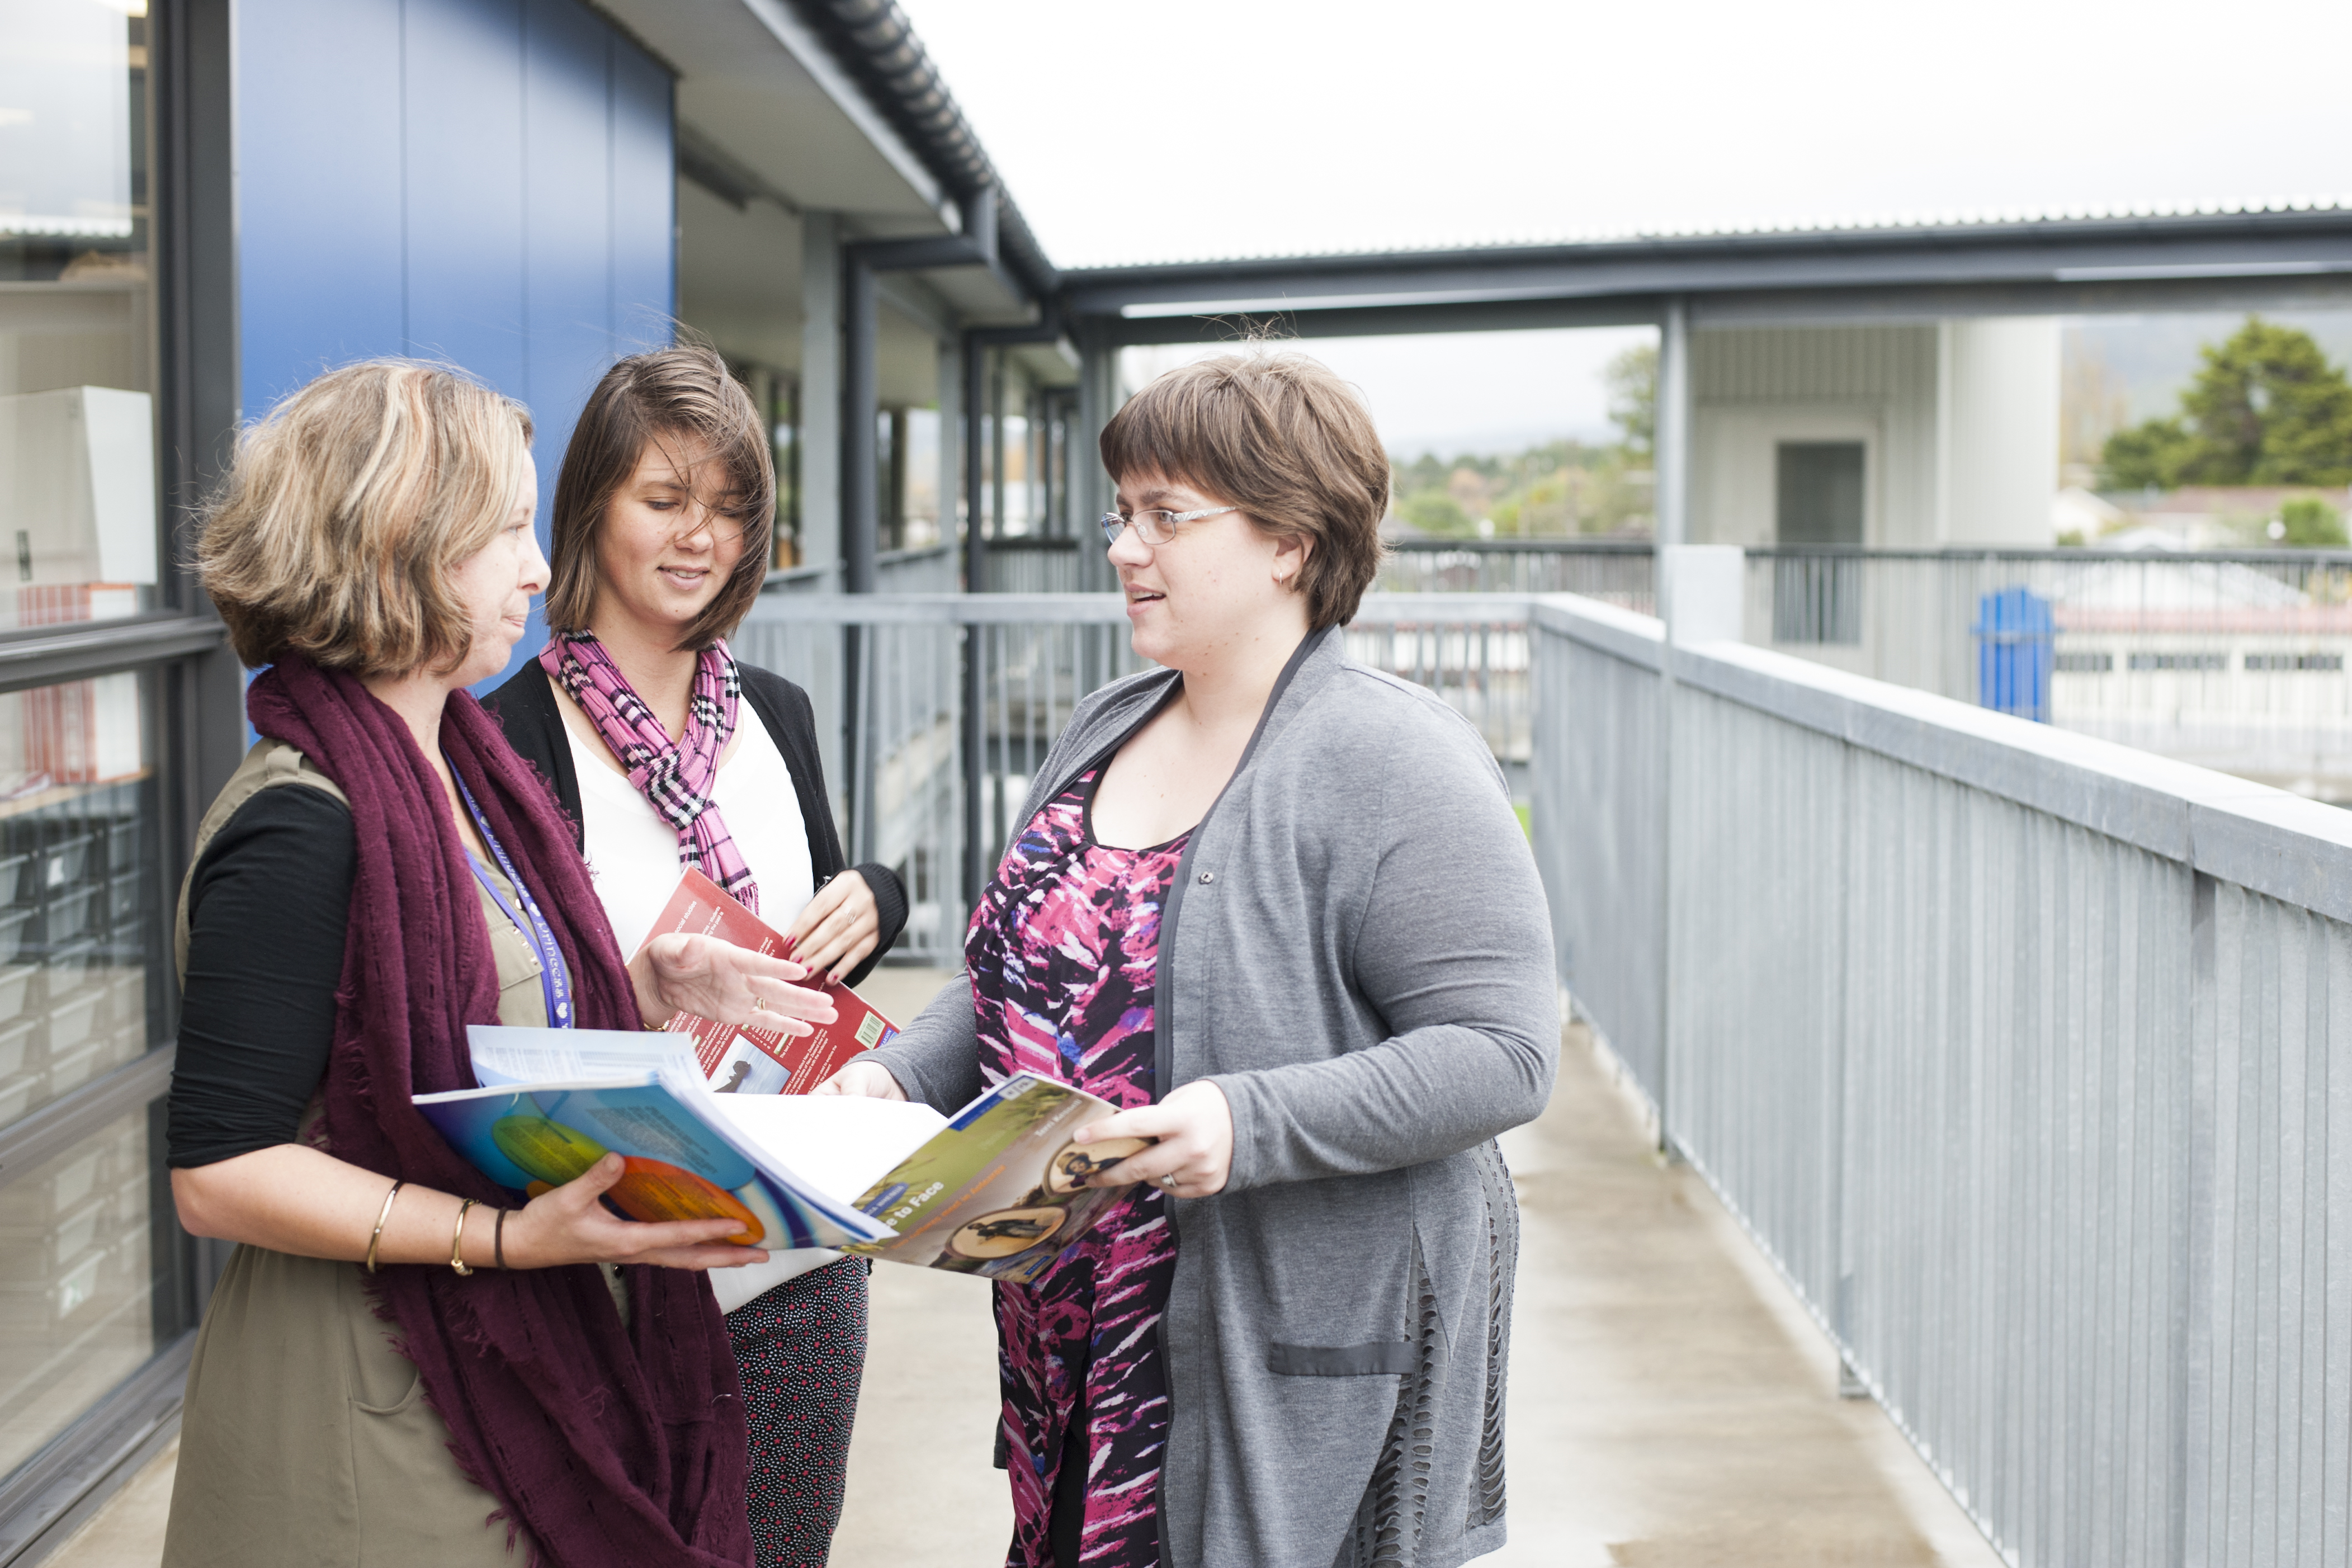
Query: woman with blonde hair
{"x": 1276, "y": 906}
{"x": 394, "y": 1367}
{"x": 669, "y": 752}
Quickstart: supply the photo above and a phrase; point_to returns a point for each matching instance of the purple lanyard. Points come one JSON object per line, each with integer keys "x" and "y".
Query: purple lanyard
{"x": 554, "y": 978}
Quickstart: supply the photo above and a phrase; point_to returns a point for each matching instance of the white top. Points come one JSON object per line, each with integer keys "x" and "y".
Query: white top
{"x": 633, "y": 853}
{"x": 633, "y": 858}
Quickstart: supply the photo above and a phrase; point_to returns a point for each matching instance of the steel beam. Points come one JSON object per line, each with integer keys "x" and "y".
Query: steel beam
{"x": 2113, "y": 252}
{"x": 1385, "y": 320}
{"x": 860, "y": 375}
{"x": 862, "y": 263}
{"x": 820, "y": 435}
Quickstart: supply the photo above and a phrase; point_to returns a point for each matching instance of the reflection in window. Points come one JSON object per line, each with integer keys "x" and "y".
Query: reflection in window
{"x": 79, "y": 908}
{"x": 77, "y": 498}
{"x": 77, "y": 1284}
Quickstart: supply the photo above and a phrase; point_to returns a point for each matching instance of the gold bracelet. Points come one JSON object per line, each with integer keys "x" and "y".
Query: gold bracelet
{"x": 384, "y": 1213}
{"x": 457, "y": 1238}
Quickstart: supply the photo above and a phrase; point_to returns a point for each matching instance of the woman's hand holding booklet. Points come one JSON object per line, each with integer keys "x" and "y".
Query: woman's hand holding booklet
{"x": 803, "y": 1047}
{"x": 999, "y": 1189}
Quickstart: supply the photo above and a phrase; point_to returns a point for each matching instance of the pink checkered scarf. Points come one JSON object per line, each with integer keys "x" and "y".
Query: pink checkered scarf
{"x": 677, "y": 776}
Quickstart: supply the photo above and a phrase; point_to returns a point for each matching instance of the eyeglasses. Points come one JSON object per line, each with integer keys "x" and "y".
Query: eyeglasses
{"x": 1156, "y": 527}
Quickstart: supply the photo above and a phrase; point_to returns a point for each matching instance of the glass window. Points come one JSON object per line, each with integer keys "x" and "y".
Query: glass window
{"x": 78, "y": 493}
{"x": 81, "y": 905}
{"x": 78, "y": 1271}
{"x": 1821, "y": 492}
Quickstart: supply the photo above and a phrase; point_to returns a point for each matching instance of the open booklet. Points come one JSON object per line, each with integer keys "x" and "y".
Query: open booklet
{"x": 762, "y": 1061}
{"x": 994, "y": 1190}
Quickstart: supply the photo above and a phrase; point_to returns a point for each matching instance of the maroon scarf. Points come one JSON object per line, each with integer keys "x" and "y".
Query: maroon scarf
{"x": 609, "y": 1445}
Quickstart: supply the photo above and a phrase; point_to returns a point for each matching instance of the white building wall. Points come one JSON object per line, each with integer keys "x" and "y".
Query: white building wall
{"x": 2002, "y": 425}
{"x": 1754, "y": 387}
{"x": 1958, "y": 421}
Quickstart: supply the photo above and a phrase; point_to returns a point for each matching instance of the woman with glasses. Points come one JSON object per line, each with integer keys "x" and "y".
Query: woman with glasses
{"x": 634, "y": 712}
{"x": 1277, "y": 907}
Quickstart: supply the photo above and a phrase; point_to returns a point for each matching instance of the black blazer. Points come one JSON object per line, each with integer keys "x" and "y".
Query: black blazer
{"x": 525, "y": 708}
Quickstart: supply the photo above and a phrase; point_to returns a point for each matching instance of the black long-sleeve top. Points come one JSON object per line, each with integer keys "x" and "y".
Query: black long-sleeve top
{"x": 268, "y": 909}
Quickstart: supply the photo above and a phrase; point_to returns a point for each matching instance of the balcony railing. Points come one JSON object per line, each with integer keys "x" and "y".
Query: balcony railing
{"x": 2234, "y": 661}
{"x": 954, "y": 698}
{"x": 1617, "y": 572}
{"x": 2022, "y": 1055}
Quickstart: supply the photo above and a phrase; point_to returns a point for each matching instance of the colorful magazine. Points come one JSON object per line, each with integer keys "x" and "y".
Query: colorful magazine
{"x": 555, "y": 1101}
{"x": 762, "y": 1061}
{"x": 997, "y": 1191}
{"x": 993, "y": 1191}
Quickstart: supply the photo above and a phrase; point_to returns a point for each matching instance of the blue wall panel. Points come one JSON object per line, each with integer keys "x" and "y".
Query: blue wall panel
{"x": 486, "y": 182}
{"x": 320, "y": 255}
{"x": 464, "y": 92}
{"x": 645, "y": 201}
{"x": 567, "y": 228}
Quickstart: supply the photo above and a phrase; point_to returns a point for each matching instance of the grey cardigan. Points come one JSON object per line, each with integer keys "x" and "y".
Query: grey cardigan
{"x": 1357, "y": 951}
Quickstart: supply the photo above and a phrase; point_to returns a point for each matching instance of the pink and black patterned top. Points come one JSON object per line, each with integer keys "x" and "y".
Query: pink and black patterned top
{"x": 1064, "y": 951}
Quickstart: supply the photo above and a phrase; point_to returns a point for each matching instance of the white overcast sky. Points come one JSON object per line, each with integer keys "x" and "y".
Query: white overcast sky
{"x": 1130, "y": 132}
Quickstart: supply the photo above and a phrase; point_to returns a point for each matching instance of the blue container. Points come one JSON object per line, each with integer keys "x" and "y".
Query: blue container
{"x": 2014, "y": 633}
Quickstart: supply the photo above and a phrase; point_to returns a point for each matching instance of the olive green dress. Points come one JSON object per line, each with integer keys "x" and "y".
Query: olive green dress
{"x": 305, "y": 1438}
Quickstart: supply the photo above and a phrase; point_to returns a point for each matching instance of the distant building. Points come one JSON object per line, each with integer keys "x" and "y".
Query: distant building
{"x": 1884, "y": 436}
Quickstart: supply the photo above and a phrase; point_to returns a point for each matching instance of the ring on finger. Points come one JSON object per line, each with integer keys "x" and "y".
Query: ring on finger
{"x": 759, "y": 1003}
{"x": 1169, "y": 1181}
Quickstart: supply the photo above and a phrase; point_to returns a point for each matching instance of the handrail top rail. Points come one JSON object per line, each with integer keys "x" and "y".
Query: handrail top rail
{"x": 2296, "y": 850}
{"x": 1096, "y": 609}
{"x": 2083, "y": 554}
{"x": 1594, "y": 544}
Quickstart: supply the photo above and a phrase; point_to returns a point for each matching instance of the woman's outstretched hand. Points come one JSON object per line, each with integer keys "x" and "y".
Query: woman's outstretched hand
{"x": 726, "y": 984}
{"x": 868, "y": 1080}
{"x": 835, "y": 930}
{"x": 570, "y": 1225}
{"x": 1194, "y": 1127}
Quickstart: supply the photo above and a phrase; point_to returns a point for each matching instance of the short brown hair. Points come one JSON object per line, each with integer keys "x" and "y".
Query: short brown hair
{"x": 683, "y": 392}
{"x": 1282, "y": 437}
{"x": 346, "y": 508}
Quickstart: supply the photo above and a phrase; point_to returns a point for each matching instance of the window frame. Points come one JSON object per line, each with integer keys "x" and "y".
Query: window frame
{"x": 195, "y": 737}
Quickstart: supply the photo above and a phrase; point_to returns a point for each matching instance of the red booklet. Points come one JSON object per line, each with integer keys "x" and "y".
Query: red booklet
{"x": 762, "y": 1061}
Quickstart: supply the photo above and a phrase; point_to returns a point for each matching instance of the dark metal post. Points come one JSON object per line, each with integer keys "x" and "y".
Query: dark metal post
{"x": 975, "y": 530}
{"x": 860, "y": 514}
{"x": 973, "y": 742}
{"x": 974, "y": 738}
{"x": 896, "y": 513}
{"x": 858, "y": 525}
{"x": 996, "y": 447}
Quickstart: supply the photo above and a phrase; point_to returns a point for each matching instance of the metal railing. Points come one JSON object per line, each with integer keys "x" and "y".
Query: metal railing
{"x": 2023, "y": 1055}
{"x": 1032, "y": 565}
{"x": 1616, "y": 571}
{"x": 956, "y": 698}
{"x": 933, "y": 569}
{"x": 2234, "y": 661}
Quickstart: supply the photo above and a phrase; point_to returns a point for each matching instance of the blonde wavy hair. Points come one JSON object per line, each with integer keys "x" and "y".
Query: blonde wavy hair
{"x": 348, "y": 504}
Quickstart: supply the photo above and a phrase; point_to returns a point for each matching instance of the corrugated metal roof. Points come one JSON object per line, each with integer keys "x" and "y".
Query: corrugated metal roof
{"x": 1957, "y": 219}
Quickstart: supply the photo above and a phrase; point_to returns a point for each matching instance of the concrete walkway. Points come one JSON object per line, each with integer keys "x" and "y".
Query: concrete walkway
{"x": 1670, "y": 1406}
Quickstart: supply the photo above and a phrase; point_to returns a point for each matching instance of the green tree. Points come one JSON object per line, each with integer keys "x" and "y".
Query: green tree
{"x": 1423, "y": 473}
{"x": 2145, "y": 456}
{"x": 2312, "y": 524}
{"x": 2266, "y": 409}
{"x": 1435, "y": 513}
{"x": 1633, "y": 382}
